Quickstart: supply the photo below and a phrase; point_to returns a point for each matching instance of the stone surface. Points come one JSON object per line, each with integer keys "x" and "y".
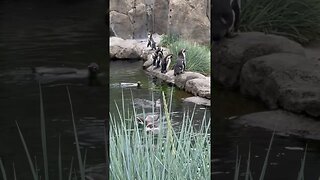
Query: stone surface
{"x": 132, "y": 19}
{"x": 284, "y": 122}
{"x": 198, "y": 100}
{"x": 189, "y": 19}
{"x": 121, "y": 25}
{"x": 199, "y": 87}
{"x": 231, "y": 54}
{"x": 181, "y": 79}
{"x": 124, "y": 49}
{"x": 287, "y": 80}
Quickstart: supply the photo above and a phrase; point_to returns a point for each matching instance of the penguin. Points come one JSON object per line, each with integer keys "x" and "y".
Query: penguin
{"x": 155, "y": 55}
{"x": 93, "y": 69}
{"x": 159, "y": 58}
{"x": 180, "y": 65}
{"x": 151, "y": 42}
{"x": 226, "y": 19}
{"x": 165, "y": 63}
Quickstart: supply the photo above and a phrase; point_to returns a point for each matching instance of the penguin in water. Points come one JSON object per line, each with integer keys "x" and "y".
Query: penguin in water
{"x": 165, "y": 63}
{"x": 226, "y": 19}
{"x": 93, "y": 70}
{"x": 180, "y": 65}
{"x": 159, "y": 58}
{"x": 151, "y": 42}
{"x": 155, "y": 55}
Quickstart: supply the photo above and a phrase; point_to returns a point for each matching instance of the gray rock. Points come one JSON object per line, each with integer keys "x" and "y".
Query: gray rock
{"x": 286, "y": 80}
{"x": 138, "y": 18}
{"x": 121, "y": 25}
{"x": 198, "y": 100}
{"x": 231, "y": 54}
{"x": 168, "y": 77}
{"x": 124, "y": 49}
{"x": 284, "y": 122}
{"x": 199, "y": 87}
{"x": 189, "y": 19}
{"x": 181, "y": 79}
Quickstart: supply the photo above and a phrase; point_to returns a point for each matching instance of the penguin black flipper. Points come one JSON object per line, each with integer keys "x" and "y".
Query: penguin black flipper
{"x": 236, "y": 6}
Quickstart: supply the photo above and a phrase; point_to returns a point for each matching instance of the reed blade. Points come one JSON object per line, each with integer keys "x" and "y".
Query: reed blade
{"x": 82, "y": 173}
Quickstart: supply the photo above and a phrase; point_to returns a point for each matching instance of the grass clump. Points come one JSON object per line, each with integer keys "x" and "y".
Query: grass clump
{"x": 198, "y": 56}
{"x": 298, "y": 20}
{"x": 136, "y": 154}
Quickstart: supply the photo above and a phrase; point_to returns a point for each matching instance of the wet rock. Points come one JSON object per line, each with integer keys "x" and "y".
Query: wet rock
{"x": 181, "y": 79}
{"x": 198, "y": 100}
{"x": 231, "y": 54}
{"x": 286, "y": 80}
{"x": 284, "y": 122}
{"x": 199, "y": 87}
{"x": 167, "y": 77}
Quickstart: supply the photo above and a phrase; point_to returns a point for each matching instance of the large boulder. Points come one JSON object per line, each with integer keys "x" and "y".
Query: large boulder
{"x": 290, "y": 81}
{"x": 124, "y": 49}
{"x": 231, "y": 54}
{"x": 132, "y": 19}
{"x": 199, "y": 87}
{"x": 121, "y": 25}
{"x": 138, "y": 18}
{"x": 189, "y": 19}
{"x": 284, "y": 123}
{"x": 182, "y": 79}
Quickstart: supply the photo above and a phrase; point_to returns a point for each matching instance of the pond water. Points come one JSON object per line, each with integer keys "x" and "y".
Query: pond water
{"x": 53, "y": 42}
{"x": 131, "y": 72}
{"x": 286, "y": 153}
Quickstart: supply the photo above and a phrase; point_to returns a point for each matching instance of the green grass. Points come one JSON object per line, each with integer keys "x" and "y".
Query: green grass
{"x": 136, "y": 154}
{"x": 198, "y": 56}
{"x": 298, "y": 20}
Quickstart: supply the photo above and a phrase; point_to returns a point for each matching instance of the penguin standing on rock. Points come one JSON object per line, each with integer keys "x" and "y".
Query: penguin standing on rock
{"x": 226, "y": 18}
{"x": 180, "y": 65}
{"x": 165, "y": 63}
{"x": 155, "y": 55}
{"x": 151, "y": 42}
{"x": 159, "y": 58}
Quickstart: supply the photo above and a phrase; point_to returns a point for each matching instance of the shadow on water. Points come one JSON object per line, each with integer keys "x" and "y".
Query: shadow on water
{"x": 52, "y": 42}
{"x": 286, "y": 152}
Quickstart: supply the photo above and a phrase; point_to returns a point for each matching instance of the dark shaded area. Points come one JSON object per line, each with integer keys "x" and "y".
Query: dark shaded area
{"x": 52, "y": 42}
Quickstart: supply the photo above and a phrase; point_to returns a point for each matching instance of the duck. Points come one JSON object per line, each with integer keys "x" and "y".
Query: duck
{"x": 144, "y": 103}
{"x": 126, "y": 85}
{"x": 150, "y": 118}
{"x": 151, "y": 122}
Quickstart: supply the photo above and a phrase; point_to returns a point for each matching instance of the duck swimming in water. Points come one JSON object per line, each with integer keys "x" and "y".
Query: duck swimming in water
{"x": 144, "y": 103}
{"x": 127, "y": 85}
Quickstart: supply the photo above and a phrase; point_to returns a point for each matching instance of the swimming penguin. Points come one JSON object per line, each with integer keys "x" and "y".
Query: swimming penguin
{"x": 226, "y": 18}
{"x": 151, "y": 42}
{"x": 180, "y": 65}
{"x": 165, "y": 63}
{"x": 159, "y": 58}
{"x": 93, "y": 69}
{"x": 128, "y": 85}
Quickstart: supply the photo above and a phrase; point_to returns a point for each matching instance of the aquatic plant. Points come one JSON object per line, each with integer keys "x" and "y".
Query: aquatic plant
{"x": 170, "y": 154}
{"x": 198, "y": 56}
{"x": 298, "y": 20}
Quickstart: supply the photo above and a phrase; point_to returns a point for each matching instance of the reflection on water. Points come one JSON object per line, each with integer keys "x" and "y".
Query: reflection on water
{"x": 285, "y": 156}
{"x": 52, "y": 42}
